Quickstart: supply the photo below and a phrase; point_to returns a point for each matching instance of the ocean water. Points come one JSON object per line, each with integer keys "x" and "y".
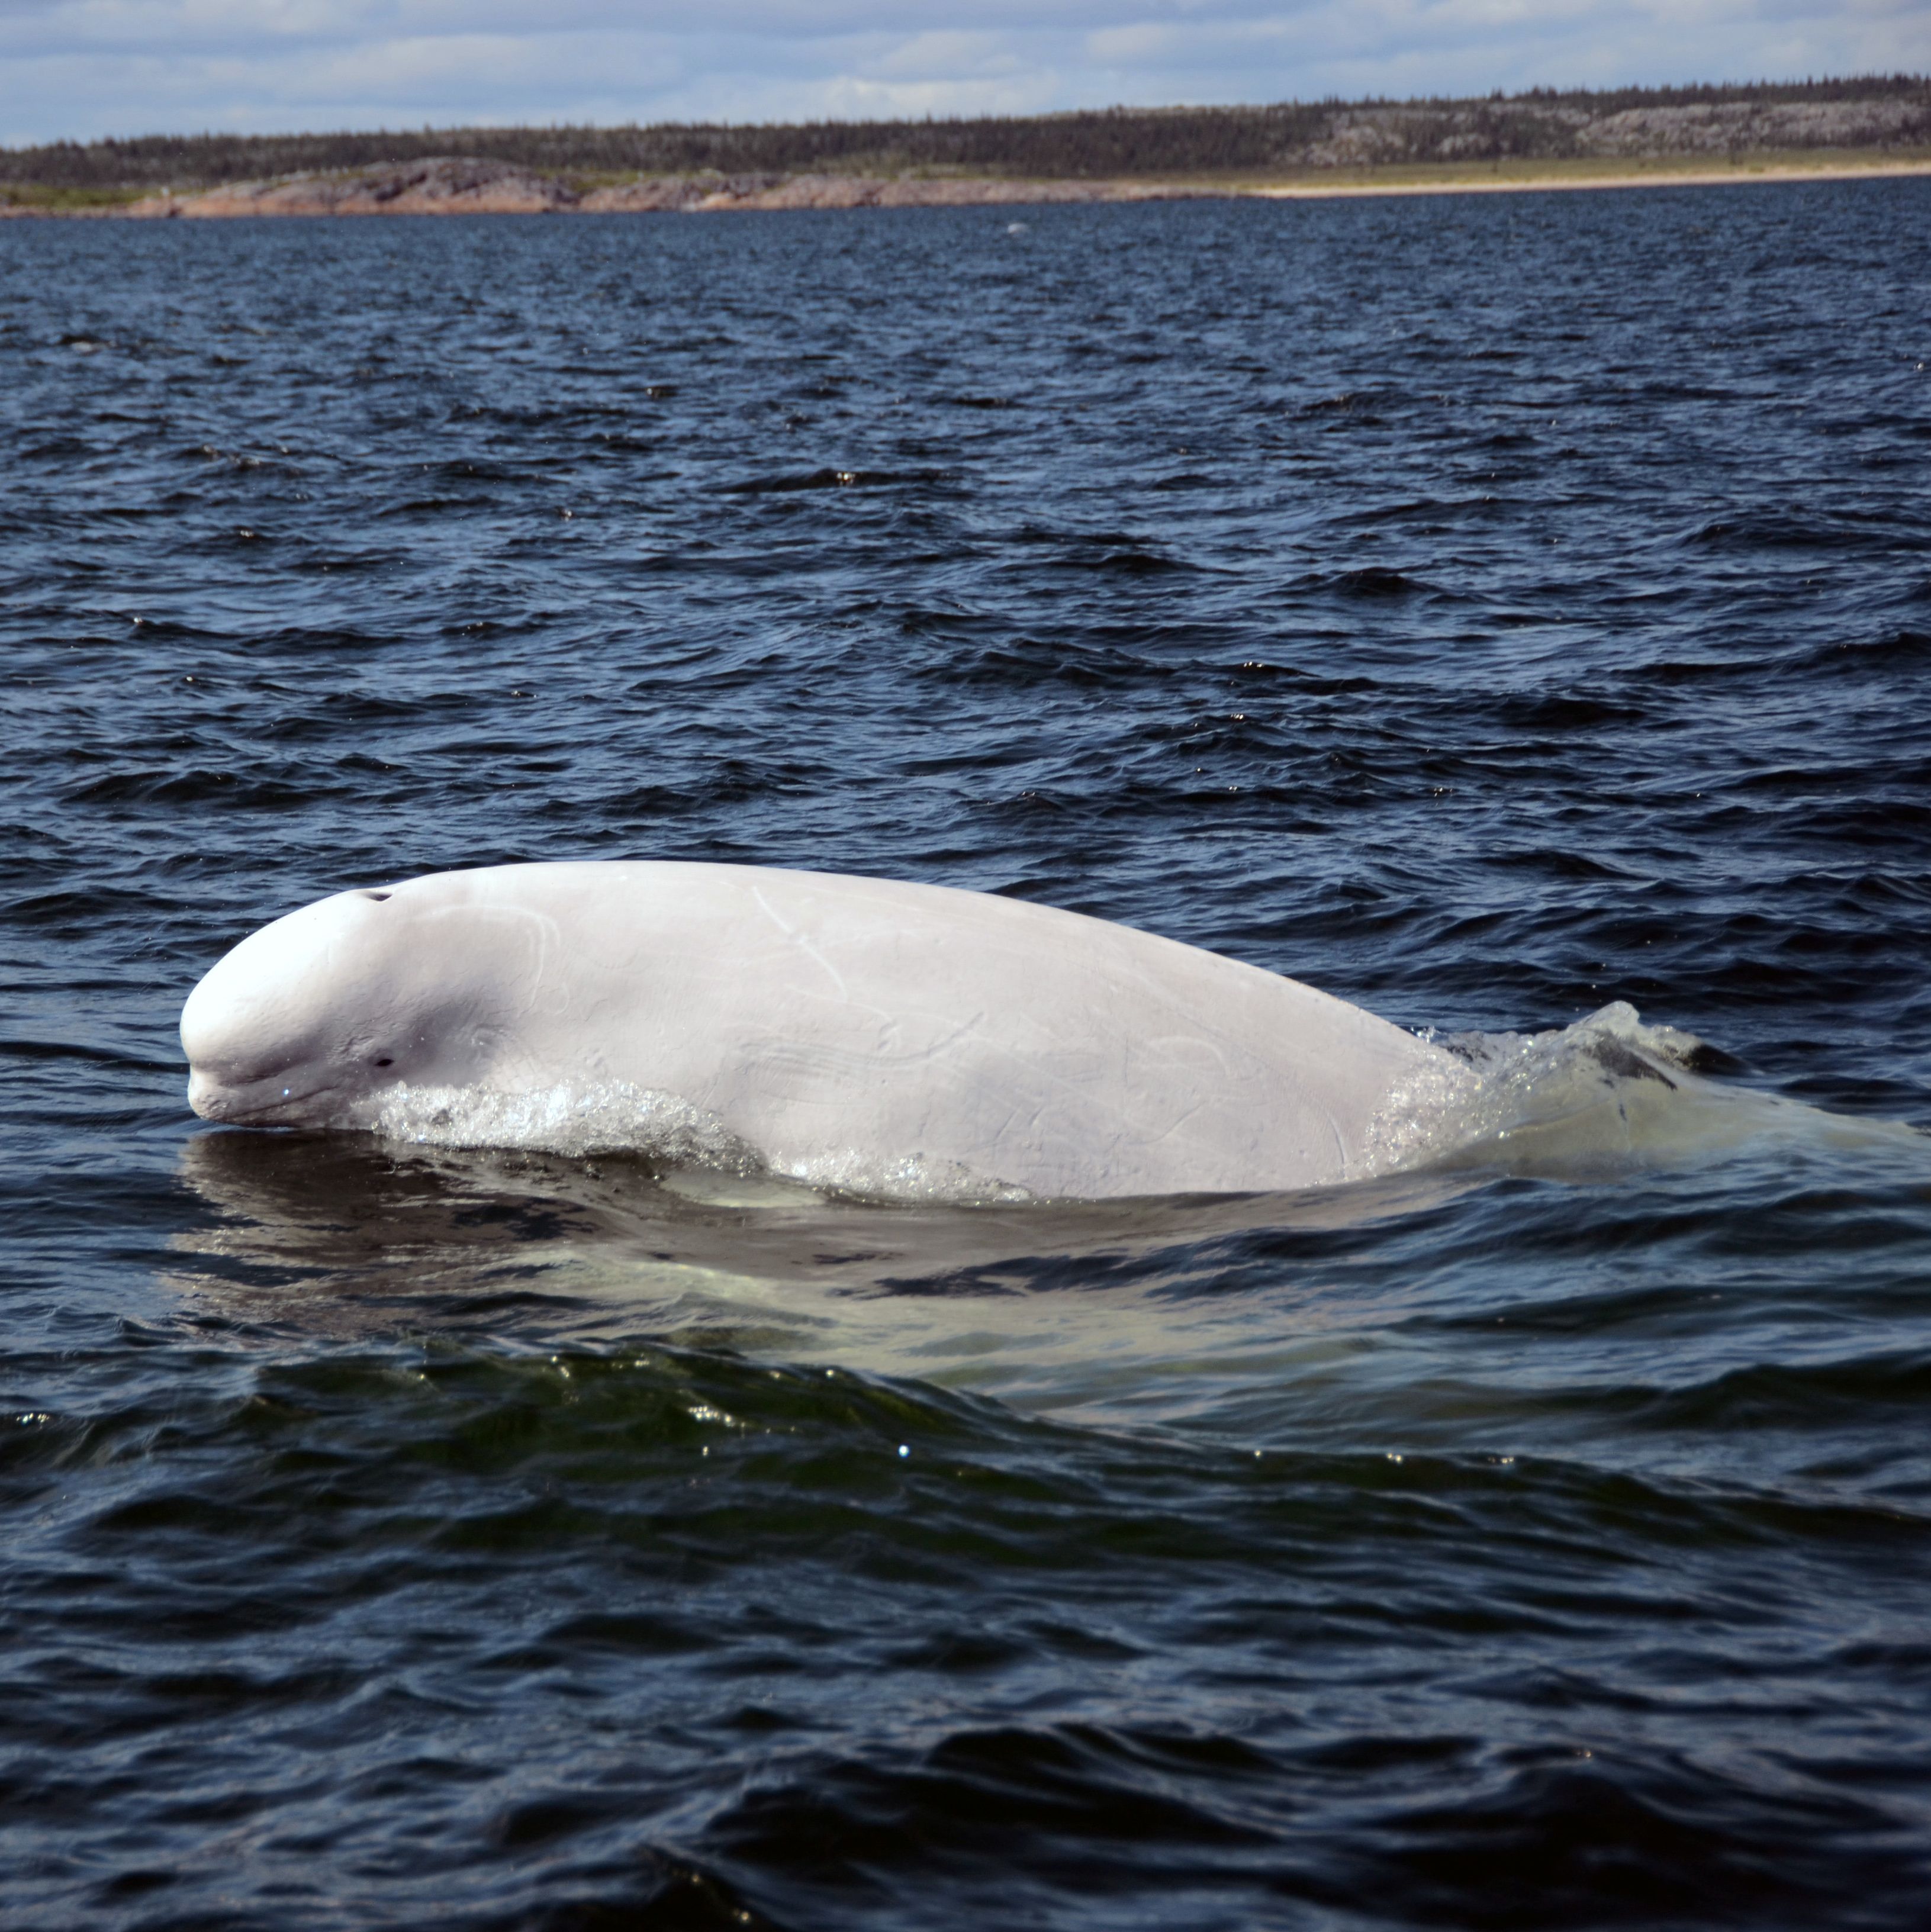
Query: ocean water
{"x": 1491, "y": 610}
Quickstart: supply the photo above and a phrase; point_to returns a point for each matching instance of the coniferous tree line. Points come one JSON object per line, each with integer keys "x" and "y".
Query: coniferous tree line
{"x": 1542, "y": 124}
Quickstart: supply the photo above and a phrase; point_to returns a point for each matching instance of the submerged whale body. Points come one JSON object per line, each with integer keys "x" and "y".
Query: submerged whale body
{"x": 854, "y": 1032}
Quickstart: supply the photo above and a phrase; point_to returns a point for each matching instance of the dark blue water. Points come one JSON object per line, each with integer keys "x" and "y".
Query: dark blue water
{"x": 1486, "y": 608}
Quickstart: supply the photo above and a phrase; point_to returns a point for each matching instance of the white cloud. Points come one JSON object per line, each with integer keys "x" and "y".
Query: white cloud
{"x": 944, "y": 56}
{"x": 81, "y": 68}
{"x": 1133, "y": 46}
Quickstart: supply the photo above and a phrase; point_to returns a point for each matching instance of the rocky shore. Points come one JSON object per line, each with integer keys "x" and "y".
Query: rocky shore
{"x": 447, "y": 185}
{"x": 1383, "y": 136}
{"x": 458, "y": 184}
{"x": 444, "y": 187}
{"x": 1544, "y": 138}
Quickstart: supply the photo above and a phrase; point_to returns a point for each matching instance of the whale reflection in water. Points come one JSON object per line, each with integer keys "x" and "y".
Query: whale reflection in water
{"x": 1045, "y": 1304}
{"x": 349, "y": 1236}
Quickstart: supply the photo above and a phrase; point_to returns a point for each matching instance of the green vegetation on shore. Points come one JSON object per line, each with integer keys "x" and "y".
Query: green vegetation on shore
{"x": 1629, "y": 127}
{"x": 46, "y": 198}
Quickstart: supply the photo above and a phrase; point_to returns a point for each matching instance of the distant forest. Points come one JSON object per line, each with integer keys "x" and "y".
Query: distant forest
{"x": 1116, "y": 143}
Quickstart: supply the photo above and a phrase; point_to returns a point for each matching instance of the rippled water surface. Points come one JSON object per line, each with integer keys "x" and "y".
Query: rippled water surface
{"x": 1486, "y": 608}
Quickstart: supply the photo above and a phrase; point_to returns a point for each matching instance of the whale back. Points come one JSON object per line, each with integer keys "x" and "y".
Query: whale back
{"x": 848, "y": 1029}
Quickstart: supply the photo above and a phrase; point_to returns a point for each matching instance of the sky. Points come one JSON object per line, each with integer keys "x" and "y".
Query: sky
{"x": 81, "y": 69}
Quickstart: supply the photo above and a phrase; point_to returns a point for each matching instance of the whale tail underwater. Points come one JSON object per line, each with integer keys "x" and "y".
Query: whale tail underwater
{"x": 883, "y": 1038}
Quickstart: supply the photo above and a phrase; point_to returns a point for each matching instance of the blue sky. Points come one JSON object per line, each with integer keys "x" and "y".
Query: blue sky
{"x": 79, "y": 69}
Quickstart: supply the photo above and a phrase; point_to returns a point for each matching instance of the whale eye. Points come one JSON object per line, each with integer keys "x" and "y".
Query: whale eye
{"x": 385, "y": 1061}
{"x": 377, "y": 896}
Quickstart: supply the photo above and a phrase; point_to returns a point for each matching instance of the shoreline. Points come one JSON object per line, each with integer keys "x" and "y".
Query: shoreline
{"x": 450, "y": 188}
{"x": 1738, "y": 175}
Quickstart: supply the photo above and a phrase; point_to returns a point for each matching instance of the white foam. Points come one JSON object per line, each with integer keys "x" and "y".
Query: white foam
{"x": 1433, "y": 1109}
{"x": 615, "y": 1117}
{"x": 611, "y": 1117}
{"x": 911, "y": 1178}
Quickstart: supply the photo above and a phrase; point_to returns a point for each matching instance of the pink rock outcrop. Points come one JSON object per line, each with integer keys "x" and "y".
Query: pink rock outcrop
{"x": 458, "y": 186}
{"x": 441, "y": 186}
{"x": 819, "y": 190}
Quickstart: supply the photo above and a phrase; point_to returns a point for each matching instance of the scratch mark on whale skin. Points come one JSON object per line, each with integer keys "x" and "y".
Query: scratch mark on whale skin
{"x": 804, "y": 945}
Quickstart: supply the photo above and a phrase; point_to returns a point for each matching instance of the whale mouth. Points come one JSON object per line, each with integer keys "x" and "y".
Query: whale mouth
{"x": 271, "y": 1100}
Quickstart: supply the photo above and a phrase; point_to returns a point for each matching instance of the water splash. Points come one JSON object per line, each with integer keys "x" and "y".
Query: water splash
{"x": 606, "y": 1116}
{"x": 666, "y": 1130}
{"x": 1606, "y": 1094}
{"x": 1609, "y": 1094}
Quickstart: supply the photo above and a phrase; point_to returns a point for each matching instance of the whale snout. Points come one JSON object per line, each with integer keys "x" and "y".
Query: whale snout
{"x": 241, "y": 1066}
{"x": 270, "y": 1032}
{"x": 207, "y": 1096}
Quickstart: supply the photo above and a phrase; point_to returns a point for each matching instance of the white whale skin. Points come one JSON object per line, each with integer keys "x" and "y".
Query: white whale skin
{"x": 838, "y": 1027}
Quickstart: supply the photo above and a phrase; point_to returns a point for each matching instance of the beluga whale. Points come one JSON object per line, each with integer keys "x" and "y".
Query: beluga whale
{"x": 863, "y": 1034}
